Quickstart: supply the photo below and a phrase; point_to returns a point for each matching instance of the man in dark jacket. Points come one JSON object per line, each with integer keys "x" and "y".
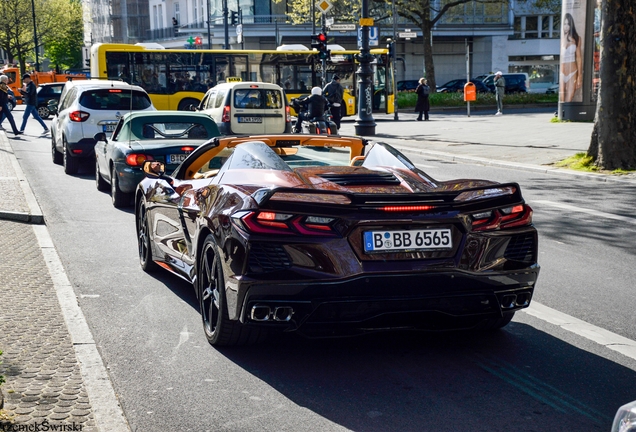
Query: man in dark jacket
{"x": 333, "y": 92}
{"x": 4, "y": 104}
{"x": 312, "y": 106}
{"x": 30, "y": 99}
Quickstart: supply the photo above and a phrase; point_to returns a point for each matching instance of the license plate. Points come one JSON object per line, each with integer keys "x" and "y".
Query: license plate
{"x": 393, "y": 241}
{"x": 176, "y": 158}
{"x": 109, "y": 127}
{"x": 250, "y": 120}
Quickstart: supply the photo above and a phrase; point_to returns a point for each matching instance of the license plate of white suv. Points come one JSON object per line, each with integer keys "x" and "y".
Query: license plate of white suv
{"x": 394, "y": 241}
{"x": 250, "y": 120}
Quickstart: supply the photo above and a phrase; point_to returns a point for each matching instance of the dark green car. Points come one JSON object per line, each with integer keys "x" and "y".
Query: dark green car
{"x": 163, "y": 136}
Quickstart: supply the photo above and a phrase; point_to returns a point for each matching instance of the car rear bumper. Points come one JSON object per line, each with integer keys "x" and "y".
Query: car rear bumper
{"x": 433, "y": 301}
{"x": 84, "y": 148}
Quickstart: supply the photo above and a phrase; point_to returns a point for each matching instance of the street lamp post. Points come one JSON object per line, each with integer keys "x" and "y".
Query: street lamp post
{"x": 365, "y": 125}
{"x": 35, "y": 38}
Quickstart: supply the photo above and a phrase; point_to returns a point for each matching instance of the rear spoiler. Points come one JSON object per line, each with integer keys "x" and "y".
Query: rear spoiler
{"x": 463, "y": 199}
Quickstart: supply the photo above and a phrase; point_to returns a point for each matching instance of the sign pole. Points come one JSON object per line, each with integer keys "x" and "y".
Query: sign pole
{"x": 365, "y": 125}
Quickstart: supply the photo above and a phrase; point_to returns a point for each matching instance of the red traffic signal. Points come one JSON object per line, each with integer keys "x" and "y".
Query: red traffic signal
{"x": 321, "y": 37}
{"x": 198, "y": 40}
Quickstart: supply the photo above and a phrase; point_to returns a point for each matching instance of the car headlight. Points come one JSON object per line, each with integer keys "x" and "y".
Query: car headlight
{"x": 625, "y": 419}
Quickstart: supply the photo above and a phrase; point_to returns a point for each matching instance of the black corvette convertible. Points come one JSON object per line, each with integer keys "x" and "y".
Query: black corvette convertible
{"x": 274, "y": 235}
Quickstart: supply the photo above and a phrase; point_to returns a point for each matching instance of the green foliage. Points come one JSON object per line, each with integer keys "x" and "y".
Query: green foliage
{"x": 65, "y": 51}
{"x": 408, "y": 99}
{"x": 587, "y": 163}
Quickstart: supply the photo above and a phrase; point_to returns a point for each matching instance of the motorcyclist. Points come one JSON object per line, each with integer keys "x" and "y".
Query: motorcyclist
{"x": 312, "y": 106}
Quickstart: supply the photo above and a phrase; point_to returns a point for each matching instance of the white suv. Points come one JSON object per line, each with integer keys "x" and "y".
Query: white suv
{"x": 86, "y": 108}
{"x": 247, "y": 108}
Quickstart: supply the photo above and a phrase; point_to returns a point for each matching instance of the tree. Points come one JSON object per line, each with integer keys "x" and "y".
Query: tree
{"x": 613, "y": 142}
{"x": 54, "y": 20}
{"x": 64, "y": 50}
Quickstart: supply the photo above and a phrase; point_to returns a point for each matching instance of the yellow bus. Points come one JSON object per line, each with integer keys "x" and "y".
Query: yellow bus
{"x": 178, "y": 78}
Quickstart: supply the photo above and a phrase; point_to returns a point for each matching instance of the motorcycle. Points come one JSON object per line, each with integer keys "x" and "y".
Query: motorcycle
{"x": 318, "y": 125}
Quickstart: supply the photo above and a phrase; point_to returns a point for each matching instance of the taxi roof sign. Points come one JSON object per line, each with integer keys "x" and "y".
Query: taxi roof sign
{"x": 233, "y": 79}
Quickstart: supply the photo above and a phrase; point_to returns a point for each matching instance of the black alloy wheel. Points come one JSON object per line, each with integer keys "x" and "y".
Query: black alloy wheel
{"x": 120, "y": 199}
{"x": 143, "y": 240}
{"x": 56, "y": 156}
{"x": 44, "y": 112}
{"x": 71, "y": 164}
{"x": 218, "y": 328}
{"x": 99, "y": 180}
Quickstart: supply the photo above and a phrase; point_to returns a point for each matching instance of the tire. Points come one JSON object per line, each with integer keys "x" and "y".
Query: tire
{"x": 143, "y": 240}
{"x": 499, "y": 322}
{"x": 100, "y": 183}
{"x": 120, "y": 199}
{"x": 44, "y": 112}
{"x": 56, "y": 156}
{"x": 218, "y": 328}
{"x": 71, "y": 164}
{"x": 185, "y": 104}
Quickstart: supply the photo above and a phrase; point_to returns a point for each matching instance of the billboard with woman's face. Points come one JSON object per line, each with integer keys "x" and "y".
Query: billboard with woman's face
{"x": 572, "y": 49}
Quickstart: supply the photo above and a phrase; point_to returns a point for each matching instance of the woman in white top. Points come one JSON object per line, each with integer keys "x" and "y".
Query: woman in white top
{"x": 571, "y": 62}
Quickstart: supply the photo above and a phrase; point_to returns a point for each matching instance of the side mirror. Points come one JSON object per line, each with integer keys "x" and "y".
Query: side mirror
{"x": 52, "y": 106}
{"x": 100, "y": 136}
{"x": 154, "y": 169}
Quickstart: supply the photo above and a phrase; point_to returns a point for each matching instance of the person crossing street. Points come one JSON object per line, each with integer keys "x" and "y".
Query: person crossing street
{"x": 29, "y": 97}
{"x": 333, "y": 92}
{"x": 4, "y": 104}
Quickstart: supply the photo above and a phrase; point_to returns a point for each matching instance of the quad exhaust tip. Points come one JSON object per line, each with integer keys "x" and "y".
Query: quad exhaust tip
{"x": 263, "y": 313}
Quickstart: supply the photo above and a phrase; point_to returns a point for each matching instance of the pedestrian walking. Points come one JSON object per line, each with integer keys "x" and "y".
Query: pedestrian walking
{"x": 29, "y": 97}
{"x": 500, "y": 90}
{"x": 4, "y": 104}
{"x": 422, "y": 106}
{"x": 334, "y": 92}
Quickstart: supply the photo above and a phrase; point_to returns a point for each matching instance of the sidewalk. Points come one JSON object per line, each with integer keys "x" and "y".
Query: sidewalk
{"x": 49, "y": 359}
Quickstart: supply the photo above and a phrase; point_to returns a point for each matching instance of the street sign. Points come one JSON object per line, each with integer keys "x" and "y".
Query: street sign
{"x": 342, "y": 27}
{"x": 374, "y": 36}
{"x": 324, "y": 6}
{"x": 366, "y": 22}
{"x": 407, "y": 35}
{"x": 239, "y": 29}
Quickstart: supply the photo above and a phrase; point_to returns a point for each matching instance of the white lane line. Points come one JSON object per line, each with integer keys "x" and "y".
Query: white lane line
{"x": 106, "y": 409}
{"x": 586, "y": 211}
{"x": 609, "y": 340}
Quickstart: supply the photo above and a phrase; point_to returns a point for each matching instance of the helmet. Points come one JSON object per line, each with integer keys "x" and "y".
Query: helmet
{"x": 316, "y": 91}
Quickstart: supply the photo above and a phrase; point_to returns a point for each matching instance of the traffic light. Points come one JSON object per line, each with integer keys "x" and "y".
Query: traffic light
{"x": 233, "y": 17}
{"x": 198, "y": 40}
{"x": 319, "y": 43}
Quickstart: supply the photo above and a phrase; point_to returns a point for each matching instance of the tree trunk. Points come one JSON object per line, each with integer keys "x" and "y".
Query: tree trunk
{"x": 613, "y": 143}
{"x": 429, "y": 65}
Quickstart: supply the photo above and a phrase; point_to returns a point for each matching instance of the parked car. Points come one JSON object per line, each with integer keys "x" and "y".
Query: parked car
{"x": 552, "y": 89}
{"x": 515, "y": 82}
{"x": 86, "y": 108}
{"x": 162, "y": 136}
{"x": 247, "y": 108}
{"x": 457, "y": 85}
{"x": 46, "y": 93}
{"x": 407, "y": 85}
{"x": 273, "y": 235}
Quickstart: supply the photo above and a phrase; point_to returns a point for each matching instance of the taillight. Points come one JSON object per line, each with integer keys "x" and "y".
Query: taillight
{"x": 506, "y": 217}
{"x": 287, "y": 115}
{"x": 226, "y": 114}
{"x": 79, "y": 116}
{"x": 137, "y": 159}
{"x": 268, "y": 222}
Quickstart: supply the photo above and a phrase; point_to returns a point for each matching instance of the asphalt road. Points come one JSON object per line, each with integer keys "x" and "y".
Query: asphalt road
{"x": 532, "y": 376}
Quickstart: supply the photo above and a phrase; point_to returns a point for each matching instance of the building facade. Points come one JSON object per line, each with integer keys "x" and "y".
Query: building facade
{"x": 512, "y": 36}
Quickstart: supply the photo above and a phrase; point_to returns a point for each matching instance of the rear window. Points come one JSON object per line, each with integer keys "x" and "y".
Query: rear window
{"x": 258, "y": 98}
{"x": 114, "y": 99}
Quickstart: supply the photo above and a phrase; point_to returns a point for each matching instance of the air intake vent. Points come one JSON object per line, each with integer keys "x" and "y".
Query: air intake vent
{"x": 373, "y": 178}
{"x": 265, "y": 258}
{"x": 521, "y": 248}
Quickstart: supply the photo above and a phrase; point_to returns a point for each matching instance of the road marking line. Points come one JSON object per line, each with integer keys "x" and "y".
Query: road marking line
{"x": 105, "y": 406}
{"x": 609, "y": 340}
{"x": 587, "y": 211}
